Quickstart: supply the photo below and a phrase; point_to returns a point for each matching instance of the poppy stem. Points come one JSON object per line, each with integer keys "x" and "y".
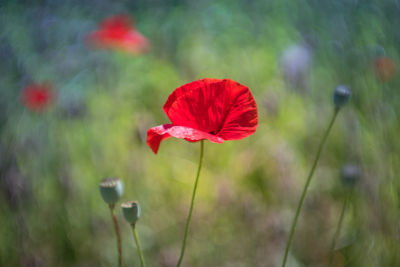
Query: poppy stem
{"x": 303, "y": 194}
{"x": 339, "y": 227}
{"x": 139, "y": 247}
{"x": 192, "y": 203}
{"x": 117, "y": 232}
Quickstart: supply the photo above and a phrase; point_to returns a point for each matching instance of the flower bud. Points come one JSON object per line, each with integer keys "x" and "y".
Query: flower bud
{"x": 131, "y": 211}
{"x": 350, "y": 175}
{"x": 341, "y": 95}
{"x": 111, "y": 190}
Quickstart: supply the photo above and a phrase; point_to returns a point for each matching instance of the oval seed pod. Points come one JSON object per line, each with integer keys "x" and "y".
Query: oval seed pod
{"x": 111, "y": 190}
{"x": 341, "y": 95}
{"x": 350, "y": 175}
{"x": 131, "y": 211}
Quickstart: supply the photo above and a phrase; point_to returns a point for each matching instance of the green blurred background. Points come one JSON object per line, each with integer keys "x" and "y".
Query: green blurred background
{"x": 291, "y": 54}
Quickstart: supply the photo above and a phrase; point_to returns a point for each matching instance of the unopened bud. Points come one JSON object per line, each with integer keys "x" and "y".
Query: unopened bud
{"x": 350, "y": 175}
{"x": 341, "y": 95}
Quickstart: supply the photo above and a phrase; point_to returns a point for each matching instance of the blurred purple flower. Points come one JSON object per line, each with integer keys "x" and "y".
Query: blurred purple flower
{"x": 295, "y": 63}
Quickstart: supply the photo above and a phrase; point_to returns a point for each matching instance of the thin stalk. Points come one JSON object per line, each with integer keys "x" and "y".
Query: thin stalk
{"x": 339, "y": 227}
{"x": 117, "y": 232}
{"x": 139, "y": 247}
{"x": 192, "y": 203}
{"x": 303, "y": 194}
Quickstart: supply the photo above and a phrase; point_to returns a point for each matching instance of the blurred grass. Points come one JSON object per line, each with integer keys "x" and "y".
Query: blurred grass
{"x": 51, "y": 163}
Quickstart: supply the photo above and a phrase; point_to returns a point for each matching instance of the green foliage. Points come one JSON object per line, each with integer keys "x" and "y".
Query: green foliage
{"x": 51, "y": 163}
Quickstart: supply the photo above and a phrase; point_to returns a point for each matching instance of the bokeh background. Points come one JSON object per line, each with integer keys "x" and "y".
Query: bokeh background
{"x": 291, "y": 54}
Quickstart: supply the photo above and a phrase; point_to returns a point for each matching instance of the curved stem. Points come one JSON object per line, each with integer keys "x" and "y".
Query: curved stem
{"x": 339, "y": 227}
{"x": 117, "y": 232}
{"x": 139, "y": 247}
{"x": 303, "y": 194}
{"x": 192, "y": 203}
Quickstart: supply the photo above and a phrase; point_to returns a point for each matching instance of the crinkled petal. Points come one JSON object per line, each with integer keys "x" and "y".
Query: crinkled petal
{"x": 224, "y": 108}
{"x": 156, "y": 134}
{"x": 242, "y": 119}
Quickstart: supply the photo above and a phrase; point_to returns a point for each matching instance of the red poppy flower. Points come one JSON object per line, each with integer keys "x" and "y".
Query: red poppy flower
{"x": 37, "y": 97}
{"x": 385, "y": 68}
{"x": 118, "y": 32}
{"x": 212, "y": 109}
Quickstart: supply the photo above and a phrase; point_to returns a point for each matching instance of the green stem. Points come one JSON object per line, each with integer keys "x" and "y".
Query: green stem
{"x": 303, "y": 194}
{"x": 192, "y": 203}
{"x": 339, "y": 227}
{"x": 139, "y": 247}
{"x": 117, "y": 232}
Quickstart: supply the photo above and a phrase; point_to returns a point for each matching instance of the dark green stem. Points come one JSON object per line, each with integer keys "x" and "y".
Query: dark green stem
{"x": 303, "y": 194}
{"x": 117, "y": 232}
{"x": 139, "y": 247}
{"x": 339, "y": 227}
{"x": 192, "y": 203}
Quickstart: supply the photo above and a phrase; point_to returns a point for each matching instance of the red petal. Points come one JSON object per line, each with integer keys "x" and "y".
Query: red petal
{"x": 37, "y": 97}
{"x": 120, "y": 22}
{"x": 385, "y": 68}
{"x": 135, "y": 43}
{"x": 156, "y": 134}
{"x": 221, "y": 107}
{"x": 117, "y": 32}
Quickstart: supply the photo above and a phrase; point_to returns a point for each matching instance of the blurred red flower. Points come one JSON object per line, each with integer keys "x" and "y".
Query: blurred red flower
{"x": 37, "y": 97}
{"x": 385, "y": 68}
{"x": 213, "y": 109}
{"x": 118, "y": 32}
